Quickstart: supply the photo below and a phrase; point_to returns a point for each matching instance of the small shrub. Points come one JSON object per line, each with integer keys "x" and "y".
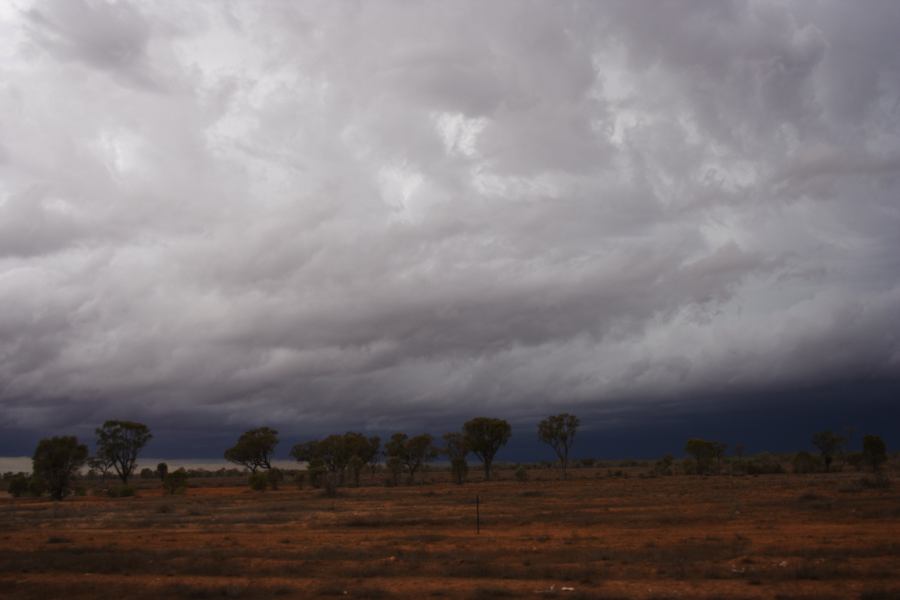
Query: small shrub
{"x": 175, "y": 482}
{"x": 120, "y": 491}
{"x": 300, "y": 480}
{"x": 856, "y": 460}
{"x": 521, "y": 473}
{"x": 19, "y": 485}
{"x": 764, "y": 464}
{"x": 804, "y": 462}
{"x": 274, "y": 476}
{"x": 258, "y": 482}
{"x": 664, "y": 465}
{"x": 879, "y": 481}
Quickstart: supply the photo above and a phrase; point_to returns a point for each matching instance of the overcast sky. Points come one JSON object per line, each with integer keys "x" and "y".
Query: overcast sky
{"x": 382, "y": 215}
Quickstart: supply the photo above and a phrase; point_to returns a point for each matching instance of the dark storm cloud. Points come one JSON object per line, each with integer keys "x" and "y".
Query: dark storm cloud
{"x": 382, "y": 215}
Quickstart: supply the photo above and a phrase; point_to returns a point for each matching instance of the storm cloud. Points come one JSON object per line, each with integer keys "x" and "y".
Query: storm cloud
{"x": 382, "y": 215}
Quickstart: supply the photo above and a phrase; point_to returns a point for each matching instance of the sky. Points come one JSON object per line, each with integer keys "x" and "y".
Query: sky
{"x": 670, "y": 218}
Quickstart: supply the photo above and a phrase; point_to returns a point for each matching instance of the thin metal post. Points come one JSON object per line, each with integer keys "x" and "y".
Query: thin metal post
{"x": 477, "y": 514}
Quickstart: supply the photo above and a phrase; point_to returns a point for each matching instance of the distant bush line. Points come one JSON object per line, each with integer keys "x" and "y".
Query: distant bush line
{"x": 345, "y": 460}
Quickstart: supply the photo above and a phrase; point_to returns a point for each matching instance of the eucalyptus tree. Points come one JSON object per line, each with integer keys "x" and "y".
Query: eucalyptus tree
{"x": 484, "y": 437}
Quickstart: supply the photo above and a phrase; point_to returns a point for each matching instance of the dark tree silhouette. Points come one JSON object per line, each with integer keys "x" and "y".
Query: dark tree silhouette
{"x": 340, "y": 452}
{"x": 56, "y": 462}
{"x": 254, "y": 449}
{"x": 874, "y": 451}
{"x": 703, "y": 452}
{"x": 456, "y": 450}
{"x": 829, "y": 444}
{"x": 411, "y": 452}
{"x": 119, "y": 443}
{"x": 558, "y": 432}
{"x": 484, "y": 437}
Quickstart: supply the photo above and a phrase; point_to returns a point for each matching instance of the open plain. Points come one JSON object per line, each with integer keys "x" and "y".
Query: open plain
{"x": 775, "y": 536}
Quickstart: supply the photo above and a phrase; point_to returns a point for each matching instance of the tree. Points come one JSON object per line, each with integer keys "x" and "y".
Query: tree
{"x": 56, "y": 461}
{"x": 484, "y": 437}
{"x": 254, "y": 449}
{"x": 411, "y": 452}
{"x": 874, "y": 451}
{"x": 829, "y": 444}
{"x": 703, "y": 452}
{"x": 119, "y": 443}
{"x": 162, "y": 469}
{"x": 456, "y": 450}
{"x": 559, "y": 433}
{"x": 339, "y": 452}
{"x": 361, "y": 451}
{"x": 100, "y": 464}
{"x": 718, "y": 450}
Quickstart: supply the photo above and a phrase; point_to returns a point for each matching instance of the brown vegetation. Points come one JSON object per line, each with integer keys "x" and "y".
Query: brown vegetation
{"x": 594, "y": 536}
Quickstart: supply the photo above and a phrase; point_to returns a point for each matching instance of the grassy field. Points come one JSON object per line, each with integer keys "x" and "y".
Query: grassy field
{"x": 776, "y": 536}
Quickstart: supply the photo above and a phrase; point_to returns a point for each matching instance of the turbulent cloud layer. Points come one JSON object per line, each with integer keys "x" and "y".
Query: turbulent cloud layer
{"x": 381, "y": 213}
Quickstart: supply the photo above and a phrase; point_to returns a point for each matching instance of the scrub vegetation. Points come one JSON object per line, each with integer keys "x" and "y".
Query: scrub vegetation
{"x": 393, "y": 523}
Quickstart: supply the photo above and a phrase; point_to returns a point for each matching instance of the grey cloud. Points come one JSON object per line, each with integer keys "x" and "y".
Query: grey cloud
{"x": 339, "y": 213}
{"x": 111, "y": 37}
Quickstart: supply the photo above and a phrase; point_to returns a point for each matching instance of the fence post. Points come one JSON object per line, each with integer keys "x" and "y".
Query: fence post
{"x": 477, "y": 514}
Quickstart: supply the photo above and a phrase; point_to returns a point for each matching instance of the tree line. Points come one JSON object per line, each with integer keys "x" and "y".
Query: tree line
{"x": 339, "y": 459}
{"x": 707, "y": 456}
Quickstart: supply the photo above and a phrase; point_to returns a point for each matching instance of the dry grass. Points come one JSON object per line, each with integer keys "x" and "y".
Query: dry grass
{"x": 592, "y": 537}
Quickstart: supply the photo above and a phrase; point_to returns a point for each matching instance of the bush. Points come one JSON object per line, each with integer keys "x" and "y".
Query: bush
{"x": 763, "y": 464}
{"x": 804, "y": 462}
{"x": 877, "y": 482}
{"x": 299, "y": 480}
{"x": 148, "y": 474}
{"x": 521, "y": 473}
{"x": 274, "y": 477}
{"x": 175, "y": 482}
{"x": 664, "y": 465}
{"x": 856, "y": 460}
{"x": 19, "y": 485}
{"x": 258, "y": 482}
{"x": 874, "y": 452}
{"x": 37, "y": 487}
{"x": 120, "y": 491}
